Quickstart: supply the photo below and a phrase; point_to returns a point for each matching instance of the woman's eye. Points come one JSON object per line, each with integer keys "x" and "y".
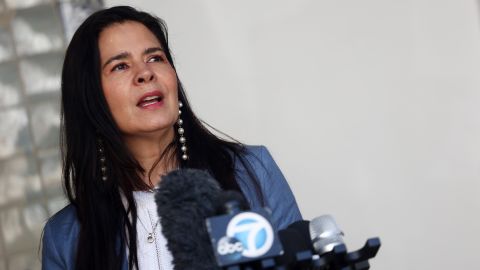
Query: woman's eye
{"x": 121, "y": 66}
{"x": 156, "y": 58}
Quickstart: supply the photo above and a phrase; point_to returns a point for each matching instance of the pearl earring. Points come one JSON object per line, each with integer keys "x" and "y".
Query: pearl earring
{"x": 181, "y": 131}
{"x": 101, "y": 155}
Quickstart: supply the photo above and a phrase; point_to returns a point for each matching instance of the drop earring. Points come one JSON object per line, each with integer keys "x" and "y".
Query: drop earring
{"x": 101, "y": 156}
{"x": 181, "y": 132}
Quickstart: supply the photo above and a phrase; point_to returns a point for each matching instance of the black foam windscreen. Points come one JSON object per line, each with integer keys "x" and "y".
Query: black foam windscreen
{"x": 230, "y": 202}
{"x": 185, "y": 198}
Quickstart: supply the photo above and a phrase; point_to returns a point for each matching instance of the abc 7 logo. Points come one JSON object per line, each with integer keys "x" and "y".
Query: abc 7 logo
{"x": 248, "y": 234}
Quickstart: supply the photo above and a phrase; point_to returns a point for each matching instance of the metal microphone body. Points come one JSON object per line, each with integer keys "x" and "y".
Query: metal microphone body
{"x": 325, "y": 234}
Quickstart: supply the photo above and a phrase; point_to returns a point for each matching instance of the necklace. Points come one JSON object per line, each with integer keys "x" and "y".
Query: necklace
{"x": 154, "y": 239}
{"x": 151, "y": 235}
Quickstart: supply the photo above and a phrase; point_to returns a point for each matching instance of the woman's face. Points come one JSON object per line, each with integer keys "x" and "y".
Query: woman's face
{"x": 138, "y": 82}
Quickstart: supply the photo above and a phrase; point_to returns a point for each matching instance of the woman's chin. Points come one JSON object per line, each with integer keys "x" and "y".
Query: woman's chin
{"x": 150, "y": 130}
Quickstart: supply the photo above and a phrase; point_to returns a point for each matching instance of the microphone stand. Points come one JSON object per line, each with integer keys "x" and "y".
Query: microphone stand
{"x": 337, "y": 259}
{"x": 340, "y": 259}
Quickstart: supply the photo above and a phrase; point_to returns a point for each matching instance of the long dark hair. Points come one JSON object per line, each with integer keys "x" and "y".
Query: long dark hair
{"x": 106, "y": 210}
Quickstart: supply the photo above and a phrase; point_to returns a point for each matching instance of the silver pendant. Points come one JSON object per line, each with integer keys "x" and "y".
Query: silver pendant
{"x": 150, "y": 238}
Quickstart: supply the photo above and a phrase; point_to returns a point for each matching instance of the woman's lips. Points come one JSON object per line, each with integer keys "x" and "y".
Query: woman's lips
{"x": 150, "y": 100}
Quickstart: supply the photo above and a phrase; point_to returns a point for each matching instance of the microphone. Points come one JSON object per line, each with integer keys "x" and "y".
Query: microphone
{"x": 325, "y": 234}
{"x": 296, "y": 247}
{"x": 327, "y": 241}
{"x": 196, "y": 215}
{"x": 302, "y": 227}
{"x": 185, "y": 198}
{"x": 318, "y": 244}
{"x": 242, "y": 237}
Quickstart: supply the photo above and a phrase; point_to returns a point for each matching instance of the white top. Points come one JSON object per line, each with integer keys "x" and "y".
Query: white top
{"x": 154, "y": 255}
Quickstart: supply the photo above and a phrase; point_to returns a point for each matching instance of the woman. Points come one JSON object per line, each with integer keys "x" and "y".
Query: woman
{"x": 125, "y": 122}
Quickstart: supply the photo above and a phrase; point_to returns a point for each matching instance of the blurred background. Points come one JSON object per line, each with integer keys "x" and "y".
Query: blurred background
{"x": 370, "y": 108}
{"x": 33, "y": 38}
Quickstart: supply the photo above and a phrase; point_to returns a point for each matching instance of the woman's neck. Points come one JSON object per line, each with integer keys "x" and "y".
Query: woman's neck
{"x": 147, "y": 150}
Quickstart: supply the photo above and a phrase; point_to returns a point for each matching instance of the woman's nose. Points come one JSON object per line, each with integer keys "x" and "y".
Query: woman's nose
{"x": 145, "y": 75}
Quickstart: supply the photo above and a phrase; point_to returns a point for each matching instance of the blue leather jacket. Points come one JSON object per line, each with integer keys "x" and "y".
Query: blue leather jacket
{"x": 61, "y": 231}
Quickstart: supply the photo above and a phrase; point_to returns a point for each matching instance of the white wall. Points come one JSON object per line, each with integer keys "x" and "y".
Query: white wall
{"x": 371, "y": 108}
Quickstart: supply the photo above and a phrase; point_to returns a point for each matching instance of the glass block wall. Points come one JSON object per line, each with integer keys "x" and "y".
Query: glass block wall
{"x": 33, "y": 38}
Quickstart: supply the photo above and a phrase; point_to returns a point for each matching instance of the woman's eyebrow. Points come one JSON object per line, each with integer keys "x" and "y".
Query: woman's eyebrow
{"x": 119, "y": 56}
{"x": 152, "y": 50}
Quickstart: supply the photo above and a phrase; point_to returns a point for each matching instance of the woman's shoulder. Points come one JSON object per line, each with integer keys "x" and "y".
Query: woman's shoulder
{"x": 255, "y": 154}
{"x": 274, "y": 188}
{"x": 59, "y": 239}
{"x": 258, "y": 159}
{"x": 254, "y": 149}
{"x": 64, "y": 223}
{"x": 66, "y": 217}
